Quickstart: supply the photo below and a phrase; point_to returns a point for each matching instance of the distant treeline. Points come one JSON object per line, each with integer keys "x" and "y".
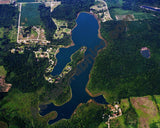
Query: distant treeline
{"x": 69, "y": 8}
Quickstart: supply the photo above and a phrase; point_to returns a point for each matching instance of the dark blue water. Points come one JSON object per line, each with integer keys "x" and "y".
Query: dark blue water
{"x": 145, "y": 53}
{"x": 26, "y": 0}
{"x": 85, "y": 34}
{"x": 151, "y": 8}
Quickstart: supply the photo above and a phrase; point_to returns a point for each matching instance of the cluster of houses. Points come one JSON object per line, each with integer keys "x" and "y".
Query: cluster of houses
{"x": 101, "y": 10}
{"x": 115, "y": 112}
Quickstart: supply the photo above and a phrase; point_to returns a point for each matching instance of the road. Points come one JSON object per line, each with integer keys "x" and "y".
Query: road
{"x": 19, "y": 20}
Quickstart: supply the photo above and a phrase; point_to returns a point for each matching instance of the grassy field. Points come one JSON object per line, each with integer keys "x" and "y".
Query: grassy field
{"x": 157, "y": 99}
{"x": 138, "y": 112}
{"x": 30, "y": 15}
{"x": 137, "y": 15}
{"x": 12, "y": 34}
{"x": 3, "y": 72}
{"x": 114, "y": 3}
{"x": 146, "y": 109}
{"x": 23, "y": 106}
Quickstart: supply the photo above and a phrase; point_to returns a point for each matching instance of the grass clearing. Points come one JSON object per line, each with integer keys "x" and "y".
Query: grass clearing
{"x": 137, "y": 15}
{"x": 103, "y": 125}
{"x": 25, "y": 105}
{"x": 15, "y": 104}
{"x": 146, "y": 109}
{"x": 124, "y": 104}
{"x": 157, "y": 98}
{"x": 3, "y": 72}
{"x": 31, "y": 17}
{"x": 13, "y": 34}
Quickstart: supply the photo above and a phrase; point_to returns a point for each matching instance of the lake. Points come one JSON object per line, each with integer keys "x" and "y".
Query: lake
{"x": 145, "y": 52}
{"x": 84, "y": 34}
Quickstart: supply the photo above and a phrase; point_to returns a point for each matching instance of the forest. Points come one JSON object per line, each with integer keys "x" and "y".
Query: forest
{"x": 47, "y": 22}
{"x": 8, "y": 15}
{"x": 120, "y": 71}
{"x": 69, "y": 9}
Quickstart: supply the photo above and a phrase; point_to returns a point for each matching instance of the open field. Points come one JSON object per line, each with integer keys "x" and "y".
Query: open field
{"x": 146, "y": 109}
{"x": 137, "y": 15}
{"x": 2, "y": 71}
{"x": 13, "y": 105}
{"x": 138, "y": 112}
{"x": 157, "y": 99}
{"x": 30, "y": 15}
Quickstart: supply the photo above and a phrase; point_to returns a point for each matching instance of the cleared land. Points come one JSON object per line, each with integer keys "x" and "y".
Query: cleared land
{"x": 30, "y": 15}
{"x": 146, "y": 109}
{"x": 2, "y": 71}
{"x": 141, "y": 112}
{"x": 117, "y": 13}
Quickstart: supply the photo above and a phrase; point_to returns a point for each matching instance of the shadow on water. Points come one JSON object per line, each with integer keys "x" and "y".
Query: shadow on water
{"x": 84, "y": 34}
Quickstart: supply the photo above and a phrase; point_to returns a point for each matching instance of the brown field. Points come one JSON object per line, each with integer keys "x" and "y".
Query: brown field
{"x": 4, "y": 2}
{"x": 146, "y": 110}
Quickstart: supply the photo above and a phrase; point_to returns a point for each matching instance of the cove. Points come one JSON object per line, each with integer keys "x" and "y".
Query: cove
{"x": 84, "y": 34}
{"x": 151, "y": 8}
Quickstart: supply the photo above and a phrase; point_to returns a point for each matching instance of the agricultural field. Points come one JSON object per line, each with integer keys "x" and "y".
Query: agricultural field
{"x": 146, "y": 109}
{"x": 30, "y": 15}
{"x": 137, "y": 15}
{"x": 139, "y": 112}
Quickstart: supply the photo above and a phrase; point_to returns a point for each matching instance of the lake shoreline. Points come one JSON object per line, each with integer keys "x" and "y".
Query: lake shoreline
{"x": 106, "y": 43}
